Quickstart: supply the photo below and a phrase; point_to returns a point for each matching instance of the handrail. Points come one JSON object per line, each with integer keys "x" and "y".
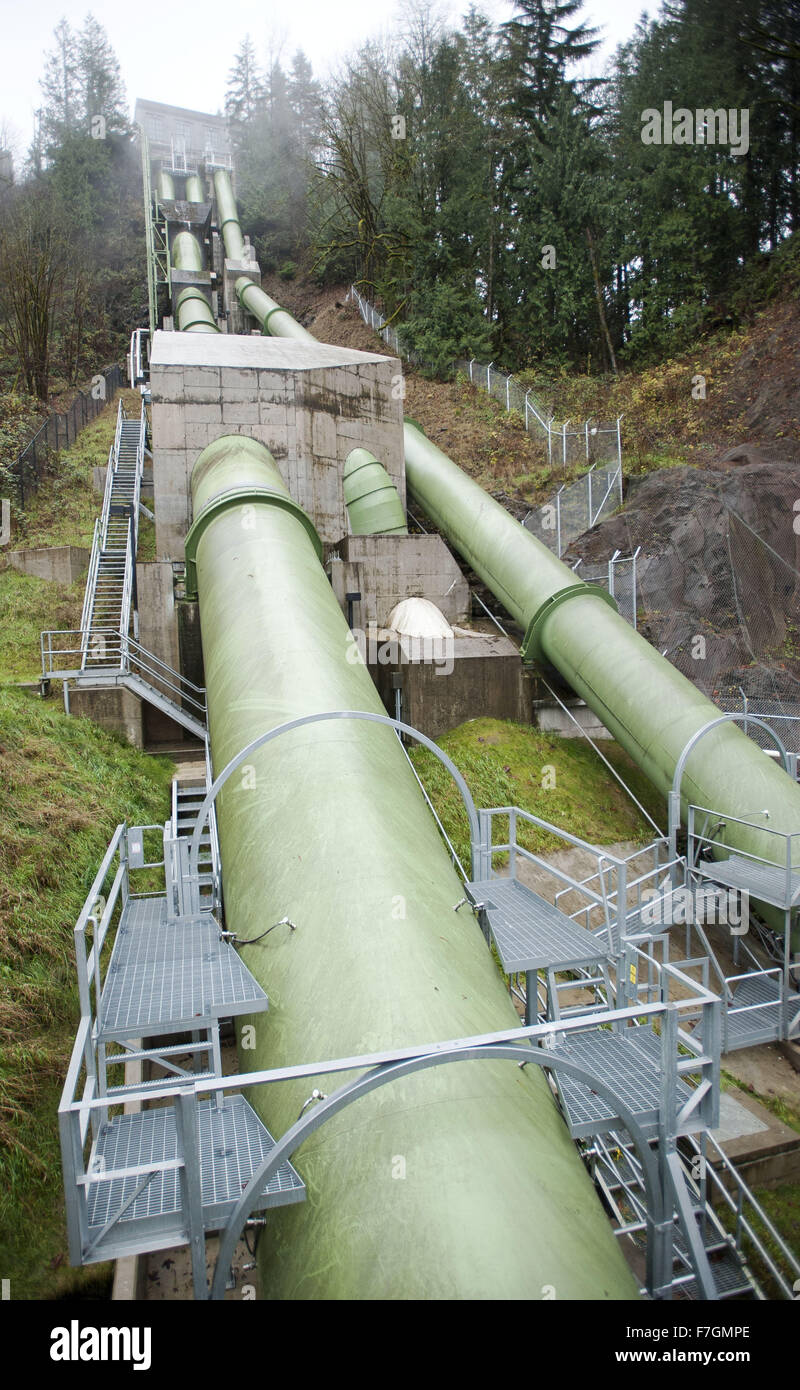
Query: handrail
{"x": 745, "y": 1195}
{"x": 124, "y": 654}
{"x": 212, "y": 1085}
{"x": 91, "y": 576}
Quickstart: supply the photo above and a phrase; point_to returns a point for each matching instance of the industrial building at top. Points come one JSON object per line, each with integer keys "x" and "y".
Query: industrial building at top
{"x": 288, "y": 591}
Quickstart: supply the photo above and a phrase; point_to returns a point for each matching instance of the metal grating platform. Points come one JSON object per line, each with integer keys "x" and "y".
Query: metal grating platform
{"x": 171, "y": 977}
{"x": 748, "y": 1024}
{"x": 766, "y": 882}
{"x": 529, "y": 932}
{"x": 232, "y": 1141}
{"x": 630, "y": 1062}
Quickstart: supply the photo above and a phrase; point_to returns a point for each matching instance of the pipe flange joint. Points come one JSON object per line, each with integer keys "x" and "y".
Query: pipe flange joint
{"x": 531, "y": 649}
{"x": 235, "y": 497}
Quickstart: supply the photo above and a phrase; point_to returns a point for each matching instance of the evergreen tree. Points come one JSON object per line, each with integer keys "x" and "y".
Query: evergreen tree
{"x": 541, "y": 46}
{"x": 244, "y": 96}
{"x": 101, "y": 87}
{"x": 61, "y": 89}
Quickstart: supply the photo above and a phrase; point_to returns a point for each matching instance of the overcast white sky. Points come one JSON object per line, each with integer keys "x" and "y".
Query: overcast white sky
{"x": 149, "y": 35}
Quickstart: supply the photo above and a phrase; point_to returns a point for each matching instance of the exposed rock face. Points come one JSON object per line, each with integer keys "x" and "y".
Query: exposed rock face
{"x": 703, "y": 573}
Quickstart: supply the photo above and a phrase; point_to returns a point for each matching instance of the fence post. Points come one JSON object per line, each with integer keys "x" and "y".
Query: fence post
{"x": 550, "y": 443}
{"x": 633, "y": 584}
{"x": 586, "y": 427}
{"x": 564, "y": 443}
{"x": 589, "y": 481}
{"x": 508, "y": 392}
{"x": 526, "y": 412}
{"x": 619, "y": 454}
{"x": 558, "y": 520}
{"x": 489, "y": 378}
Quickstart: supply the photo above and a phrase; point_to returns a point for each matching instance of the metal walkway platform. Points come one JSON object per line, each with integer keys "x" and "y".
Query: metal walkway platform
{"x": 171, "y": 978}
{"x": 764, "y": 882}
{"x": 529, "y": 932}
{"x": 231, "y": 1142}
{"x": 632, "y": 1063}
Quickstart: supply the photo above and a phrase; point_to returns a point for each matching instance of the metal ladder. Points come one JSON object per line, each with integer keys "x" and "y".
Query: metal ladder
{"x": 110, "y": 585}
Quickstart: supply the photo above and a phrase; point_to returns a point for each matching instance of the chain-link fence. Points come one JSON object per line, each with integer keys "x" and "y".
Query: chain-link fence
{"x": 580, "y": 446}
{"x": 374, "y": 319}
{"x": 619, "y": 576}
{"x": 729, "y": 622}
{"x": 61, "y": 429}
{"x": 576, "y": 507}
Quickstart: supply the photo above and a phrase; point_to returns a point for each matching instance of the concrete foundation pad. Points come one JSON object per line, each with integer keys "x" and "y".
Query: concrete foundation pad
{"x": 736, "y": 1121}
{"x": 764, "y": 1150}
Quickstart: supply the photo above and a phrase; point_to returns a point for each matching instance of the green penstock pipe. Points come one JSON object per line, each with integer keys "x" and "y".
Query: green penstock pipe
{"x": 193, "y": 312}
{"x": 271, "y": 316}
{"x": 228, "y": 217}
{"x": 194, "y": 189}
{"x": 372, "y": 500}
{"x": 186, "y": 252}
{"x": 166, "y": 186}
{"x": 649, "y": 707}
{"x": 460, "y": 1181}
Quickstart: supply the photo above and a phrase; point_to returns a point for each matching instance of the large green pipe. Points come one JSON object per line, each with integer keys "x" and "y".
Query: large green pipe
{"x": 271, "y": 316}
{"x": 372, "y": 500}
{"x": 650, "y": 708}
{"x": 194, "y": 189}
{"x": 228, "y": 217}
{"x": 192, "y": 309}
{"x": 193, "y": 312}
{"x": 166, "y": 186}
{"x": 460, "y": 1181}
{"x": 186, "y": 253}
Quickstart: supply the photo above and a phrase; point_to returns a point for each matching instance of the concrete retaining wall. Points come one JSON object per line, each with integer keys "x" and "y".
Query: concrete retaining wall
{"x": 62, "y": 563}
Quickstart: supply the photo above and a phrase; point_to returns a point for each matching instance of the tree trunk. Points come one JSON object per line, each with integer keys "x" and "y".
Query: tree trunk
{"x": 600, "y": 307}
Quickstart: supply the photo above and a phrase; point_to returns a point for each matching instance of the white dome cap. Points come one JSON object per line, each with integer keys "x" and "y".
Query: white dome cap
{"x": 418, "y": 617}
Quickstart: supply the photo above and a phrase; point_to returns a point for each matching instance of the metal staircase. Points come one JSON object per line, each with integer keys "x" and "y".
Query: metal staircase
{"x": 188, "y": 794}
{"x": 169, "y": 1166}
{"x": 104, "y": 650}
{"x": 650, "y": 1030}
{"x": 111, "y": 581}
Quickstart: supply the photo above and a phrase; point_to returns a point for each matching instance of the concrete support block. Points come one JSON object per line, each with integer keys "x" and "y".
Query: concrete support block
{"x": 62, "y": 563}
{"x": 240, "y": 413}
{"x": 158, "y": 628}
{"x": 202, "y": 376}
{"x": 112, "y": 707}
{"x": 195, "y": 413}
{"x": 323, "y": 435}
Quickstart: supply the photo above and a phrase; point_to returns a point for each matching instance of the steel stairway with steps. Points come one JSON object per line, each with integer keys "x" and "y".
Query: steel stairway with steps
{"x": 109, "y": 588}
{"x": 103, "y": 651}
{"x": 188, "y": 794}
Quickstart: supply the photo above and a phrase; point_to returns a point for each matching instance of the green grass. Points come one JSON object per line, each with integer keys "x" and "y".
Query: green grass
{"x": 29, "y": 606}
{"x": 781, "y": 1206}
{"x": 560, "y": 780}
{"x": 64, "y": 509}
{"x": 64, "y": 785}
